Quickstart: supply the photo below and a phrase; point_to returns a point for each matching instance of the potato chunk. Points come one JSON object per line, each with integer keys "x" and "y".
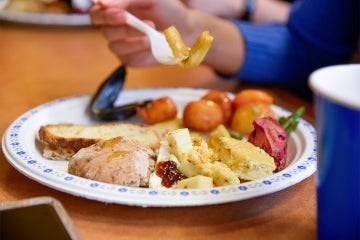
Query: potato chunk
{"x": 246, "y": 160}
{"x": 198, "y": 181}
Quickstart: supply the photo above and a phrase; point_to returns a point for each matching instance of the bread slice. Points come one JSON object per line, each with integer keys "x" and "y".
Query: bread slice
{"x": 63, "y": 140}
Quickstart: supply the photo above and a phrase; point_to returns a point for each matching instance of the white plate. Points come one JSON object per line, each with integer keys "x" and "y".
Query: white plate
{"x": 24, "y": 153}
{"x": 46, "y": 18}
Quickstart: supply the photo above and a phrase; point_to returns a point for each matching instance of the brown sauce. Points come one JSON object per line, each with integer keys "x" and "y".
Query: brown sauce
{"x": 169, "y": 173}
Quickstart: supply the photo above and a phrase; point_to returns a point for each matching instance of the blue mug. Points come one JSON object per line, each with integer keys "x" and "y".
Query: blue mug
{"x": 337, "y": 111}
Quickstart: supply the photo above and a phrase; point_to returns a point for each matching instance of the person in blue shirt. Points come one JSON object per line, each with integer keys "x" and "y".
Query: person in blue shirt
{"x": 317, "y": 33}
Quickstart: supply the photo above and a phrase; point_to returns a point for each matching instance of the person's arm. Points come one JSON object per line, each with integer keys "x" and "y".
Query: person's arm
{"x": 267, "y": 11}
{"x": 315, "y": 36}
{"x": 226, "y": 54}
{"x": 262, "y": 11}
{"x": 286, "y": 54}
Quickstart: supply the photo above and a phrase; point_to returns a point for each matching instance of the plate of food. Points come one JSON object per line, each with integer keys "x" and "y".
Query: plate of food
{"x": 33, "y": 149}
{"x": 56, "y": 12}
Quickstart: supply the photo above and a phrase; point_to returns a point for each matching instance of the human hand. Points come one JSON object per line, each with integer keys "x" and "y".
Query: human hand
{"x": 131, "y": 46}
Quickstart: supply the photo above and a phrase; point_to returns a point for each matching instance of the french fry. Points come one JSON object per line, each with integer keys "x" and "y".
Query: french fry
{"x": 190, "y": 57}
{"x": 177, "y": 45}
{"x": 199, "y": 50}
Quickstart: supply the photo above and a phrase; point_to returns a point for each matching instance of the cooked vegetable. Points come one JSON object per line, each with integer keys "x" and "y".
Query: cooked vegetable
{"x": 223, "y": 100}
{"x": 159, "y": 110}
{"x": 244, "y": 116}
{"x": 269, "y": 135}
{"x": 238, "y": 136}
{"x": 198, "y": 181}
{"x": 251, "y": 97}
{"x": 202, "y": 115}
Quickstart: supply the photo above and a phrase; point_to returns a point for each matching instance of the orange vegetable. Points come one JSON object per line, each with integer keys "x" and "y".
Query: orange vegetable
{"x": 159, "y": 110}
{"x": 223, "y": 100}
{"x": 251, "y": 97}
{"x": 244, "y": 116}
{"x": 202, "y": 115}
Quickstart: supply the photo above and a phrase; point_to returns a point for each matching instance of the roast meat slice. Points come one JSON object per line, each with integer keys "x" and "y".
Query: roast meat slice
{"x": 118, "y": 161}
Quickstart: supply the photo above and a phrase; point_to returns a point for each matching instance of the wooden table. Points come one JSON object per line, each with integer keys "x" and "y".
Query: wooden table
{"x": 42, "y": 63}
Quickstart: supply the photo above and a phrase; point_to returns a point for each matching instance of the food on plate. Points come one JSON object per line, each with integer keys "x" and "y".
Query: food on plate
{"x": 290, "y": 122}
{"x": 193, "y": 158}
{"x": 251, "y": 97}
{"x": 202, "y": 115}
{"x": 117, "y": 161}
{"x": 189, "y": 57}
{"x": 248, "y": 105}
{"x": 225, "y": 160}
{"x": 272, "y": 137}
{"x": 244, "y": 116}
{"x": 198, "y": 181}
{"x": 63, "y": 140}
{"x": 223, "y": 100}
{"x": 159, "y": 110}
{"x": 196, "y": 151}
{"x": 246, "y": 160}
{"x": 166, "y": 172}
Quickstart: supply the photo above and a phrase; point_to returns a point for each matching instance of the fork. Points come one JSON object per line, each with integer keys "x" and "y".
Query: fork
{"x": 160, "y": 48}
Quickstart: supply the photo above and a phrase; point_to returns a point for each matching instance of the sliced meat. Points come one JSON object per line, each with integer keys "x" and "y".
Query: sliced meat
{"x": 269, "y": 135}
{"x": 118, "y": 161}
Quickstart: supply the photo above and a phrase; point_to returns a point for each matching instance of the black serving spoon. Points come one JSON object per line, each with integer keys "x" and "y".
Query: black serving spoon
{"x": 102, "y": 103}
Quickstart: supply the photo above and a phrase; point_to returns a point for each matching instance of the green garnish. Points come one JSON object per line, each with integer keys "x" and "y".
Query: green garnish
{"x": 238, "y": 136}
{"x": 290, "y": 123}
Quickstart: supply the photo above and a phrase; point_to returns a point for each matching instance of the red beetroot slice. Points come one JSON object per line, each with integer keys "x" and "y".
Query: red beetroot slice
{"x": 269, "y": 135}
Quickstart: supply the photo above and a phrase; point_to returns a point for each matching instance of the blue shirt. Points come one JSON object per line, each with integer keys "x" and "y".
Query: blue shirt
{"x": 319, "y": 33}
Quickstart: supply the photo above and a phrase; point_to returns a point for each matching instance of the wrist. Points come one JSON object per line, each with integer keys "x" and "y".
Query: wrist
{"x": 193, "y": 25}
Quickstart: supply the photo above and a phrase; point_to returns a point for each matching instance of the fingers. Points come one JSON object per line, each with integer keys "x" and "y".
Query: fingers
{"x": 116, "y": 33}
{"x": 130, "y": 45}
{"x": 107, "y": 16}
{"x": 141, "y": 59}
{"x": 133, "y": 51}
